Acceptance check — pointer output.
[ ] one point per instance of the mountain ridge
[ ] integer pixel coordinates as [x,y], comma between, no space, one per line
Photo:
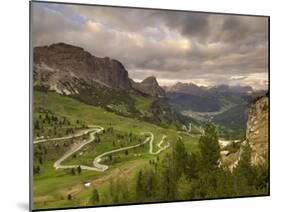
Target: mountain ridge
[194,89]
[61,67]
[103,82]
[61,63]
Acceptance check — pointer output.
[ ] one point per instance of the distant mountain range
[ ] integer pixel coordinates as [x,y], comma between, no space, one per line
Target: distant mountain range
[61,67]
[208,99]
[187,88]
[193,89]
[223,104]
[72,71]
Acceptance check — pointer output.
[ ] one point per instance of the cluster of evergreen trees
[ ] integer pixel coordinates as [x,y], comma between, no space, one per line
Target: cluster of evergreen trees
[46,123]
[186,176]
[183,176]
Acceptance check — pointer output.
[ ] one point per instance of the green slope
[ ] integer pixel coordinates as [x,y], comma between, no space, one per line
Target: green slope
[51,186]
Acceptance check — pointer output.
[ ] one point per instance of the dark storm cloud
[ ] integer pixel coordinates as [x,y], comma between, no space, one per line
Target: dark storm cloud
[199,47]
[195,25]
[191,24]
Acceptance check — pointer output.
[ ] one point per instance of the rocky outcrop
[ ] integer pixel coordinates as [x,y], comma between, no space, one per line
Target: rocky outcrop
[257,130]
[149,86]
[256,137]
[61,66]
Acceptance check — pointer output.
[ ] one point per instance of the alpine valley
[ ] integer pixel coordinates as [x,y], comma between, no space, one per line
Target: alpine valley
[101,138]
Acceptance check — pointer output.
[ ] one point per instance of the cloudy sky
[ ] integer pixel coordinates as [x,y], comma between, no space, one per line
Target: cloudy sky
[206,49]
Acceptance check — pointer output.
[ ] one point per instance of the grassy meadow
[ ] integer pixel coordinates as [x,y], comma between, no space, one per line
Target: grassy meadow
[56,188]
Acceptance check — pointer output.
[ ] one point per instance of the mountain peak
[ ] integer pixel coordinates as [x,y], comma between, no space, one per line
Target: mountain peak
[149,86]
[63,47]
[150,80]
[62,44]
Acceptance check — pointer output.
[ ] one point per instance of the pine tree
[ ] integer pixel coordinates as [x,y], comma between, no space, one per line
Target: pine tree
[244,168]
[73,172]
[192,166]
[110,158]
[36,125]
[168,178]
[112,190]
[118,191]
[140,186]
[179,159]
[79,169]
[95,198]
[36,169]
[183,188]
[123,191]
[209,148]
[149,184]
[261,173]
[40,160]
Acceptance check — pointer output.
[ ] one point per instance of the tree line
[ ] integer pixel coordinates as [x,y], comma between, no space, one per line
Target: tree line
[180,175]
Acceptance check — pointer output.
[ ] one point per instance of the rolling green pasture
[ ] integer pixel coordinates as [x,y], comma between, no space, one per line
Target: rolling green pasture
[51,187]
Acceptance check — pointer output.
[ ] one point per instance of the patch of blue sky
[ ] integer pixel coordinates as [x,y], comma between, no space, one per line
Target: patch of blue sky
[78,19]
[63,10]
[50,6]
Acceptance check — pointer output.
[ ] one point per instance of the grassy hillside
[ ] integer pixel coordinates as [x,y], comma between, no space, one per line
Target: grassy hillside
[143,103]
[128,104]
[52,187]
[234,118]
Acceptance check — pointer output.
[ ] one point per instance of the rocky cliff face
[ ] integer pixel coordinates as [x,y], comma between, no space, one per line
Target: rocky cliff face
[61,67]
[257,130]
[149,86]
[256,136]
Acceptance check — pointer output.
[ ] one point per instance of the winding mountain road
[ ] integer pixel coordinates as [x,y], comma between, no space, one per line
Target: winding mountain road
[159,145]
[97,166]
[149,139]
[83,132]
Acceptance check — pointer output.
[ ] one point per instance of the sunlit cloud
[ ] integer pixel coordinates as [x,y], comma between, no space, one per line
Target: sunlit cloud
[173,46]
[237,77]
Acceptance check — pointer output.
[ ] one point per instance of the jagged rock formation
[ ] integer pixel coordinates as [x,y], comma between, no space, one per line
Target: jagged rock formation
[257,130]
[149,86]
[61,67]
